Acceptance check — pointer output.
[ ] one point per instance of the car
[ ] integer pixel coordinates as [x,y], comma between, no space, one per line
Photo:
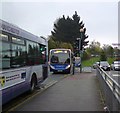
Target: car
[104,65]
[95,65]
[115,66]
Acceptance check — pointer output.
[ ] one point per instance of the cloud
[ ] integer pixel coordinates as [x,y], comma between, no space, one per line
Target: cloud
[100,18]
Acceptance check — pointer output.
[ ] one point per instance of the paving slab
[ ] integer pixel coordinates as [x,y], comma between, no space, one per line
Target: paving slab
[79,92]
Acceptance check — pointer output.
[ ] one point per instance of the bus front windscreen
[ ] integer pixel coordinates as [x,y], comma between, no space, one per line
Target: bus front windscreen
[60,57]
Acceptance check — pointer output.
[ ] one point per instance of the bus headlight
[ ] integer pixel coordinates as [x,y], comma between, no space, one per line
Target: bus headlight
[67,67]
[52,67]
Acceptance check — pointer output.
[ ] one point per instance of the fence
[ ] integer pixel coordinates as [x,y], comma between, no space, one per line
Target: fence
[111,90]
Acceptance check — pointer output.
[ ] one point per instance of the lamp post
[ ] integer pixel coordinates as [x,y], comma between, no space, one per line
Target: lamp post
[80,42]
[79,51]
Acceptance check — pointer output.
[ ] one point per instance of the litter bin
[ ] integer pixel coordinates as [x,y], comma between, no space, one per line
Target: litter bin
[45,71]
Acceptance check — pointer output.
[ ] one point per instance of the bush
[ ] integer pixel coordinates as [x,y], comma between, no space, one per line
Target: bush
[86,56]
[103,56]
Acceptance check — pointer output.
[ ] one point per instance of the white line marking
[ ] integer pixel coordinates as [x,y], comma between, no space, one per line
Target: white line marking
[116,74]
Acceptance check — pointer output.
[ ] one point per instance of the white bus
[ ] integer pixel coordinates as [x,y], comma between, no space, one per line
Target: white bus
[22,56]
[61,60]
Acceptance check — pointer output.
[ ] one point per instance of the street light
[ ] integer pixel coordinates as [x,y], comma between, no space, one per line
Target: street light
[80,47]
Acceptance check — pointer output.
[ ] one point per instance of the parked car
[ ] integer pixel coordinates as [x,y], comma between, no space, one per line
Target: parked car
[115,66]
[95,65]
[104,65]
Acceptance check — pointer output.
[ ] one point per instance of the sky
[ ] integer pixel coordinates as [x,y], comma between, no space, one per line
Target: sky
[38,16]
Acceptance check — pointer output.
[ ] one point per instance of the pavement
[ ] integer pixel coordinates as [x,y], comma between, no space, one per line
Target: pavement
[79,92]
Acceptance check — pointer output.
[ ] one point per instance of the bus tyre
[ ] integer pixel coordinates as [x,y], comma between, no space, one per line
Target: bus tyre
[33,84]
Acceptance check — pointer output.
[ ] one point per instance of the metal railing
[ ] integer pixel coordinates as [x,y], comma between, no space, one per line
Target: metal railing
[111,90]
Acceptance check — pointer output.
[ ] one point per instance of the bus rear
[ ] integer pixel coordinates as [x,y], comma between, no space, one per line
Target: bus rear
[60,60]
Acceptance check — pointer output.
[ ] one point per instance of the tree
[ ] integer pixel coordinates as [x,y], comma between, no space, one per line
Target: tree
[63,29]
[68,29]
[86,55]
[117,53]
[94,48]
[53,43]
[108,50]
[103,56]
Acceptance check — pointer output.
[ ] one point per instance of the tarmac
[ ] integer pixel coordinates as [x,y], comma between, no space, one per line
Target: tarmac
[79,92]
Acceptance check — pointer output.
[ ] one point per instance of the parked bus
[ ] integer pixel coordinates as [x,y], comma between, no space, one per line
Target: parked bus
[61,60]
[22,56]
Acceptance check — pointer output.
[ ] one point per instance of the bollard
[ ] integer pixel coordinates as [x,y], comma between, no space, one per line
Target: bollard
[73,68]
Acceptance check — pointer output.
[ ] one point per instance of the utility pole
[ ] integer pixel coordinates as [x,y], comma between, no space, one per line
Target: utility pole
[80,48]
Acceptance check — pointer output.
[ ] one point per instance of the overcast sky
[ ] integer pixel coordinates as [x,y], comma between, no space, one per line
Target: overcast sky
[100,17]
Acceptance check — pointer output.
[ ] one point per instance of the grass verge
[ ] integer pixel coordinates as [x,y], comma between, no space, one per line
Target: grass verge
[90,62]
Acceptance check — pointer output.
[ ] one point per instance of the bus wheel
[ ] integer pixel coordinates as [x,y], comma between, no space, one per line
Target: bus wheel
[33,84]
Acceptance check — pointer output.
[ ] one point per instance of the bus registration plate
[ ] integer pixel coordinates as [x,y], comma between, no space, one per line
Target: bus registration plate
[59,70]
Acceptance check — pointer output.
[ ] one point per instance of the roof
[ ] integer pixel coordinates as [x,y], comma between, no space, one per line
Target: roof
[15,30]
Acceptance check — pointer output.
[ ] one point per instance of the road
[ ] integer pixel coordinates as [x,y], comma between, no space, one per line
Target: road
[115,75]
